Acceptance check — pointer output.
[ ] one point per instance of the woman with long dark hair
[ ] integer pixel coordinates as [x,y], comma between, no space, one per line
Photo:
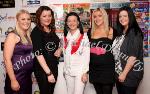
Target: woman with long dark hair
[128,52]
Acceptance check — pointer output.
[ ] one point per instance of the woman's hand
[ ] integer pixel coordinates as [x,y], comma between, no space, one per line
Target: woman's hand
[51,78]
[84,78]
[58,52]
[130,63]
[122,77]
[15,85]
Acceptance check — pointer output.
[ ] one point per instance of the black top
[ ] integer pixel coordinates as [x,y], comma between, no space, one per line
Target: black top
[102,66]
[133,46]
[45,44]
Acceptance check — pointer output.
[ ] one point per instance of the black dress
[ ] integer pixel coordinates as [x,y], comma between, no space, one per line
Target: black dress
[102,66]
[45,44]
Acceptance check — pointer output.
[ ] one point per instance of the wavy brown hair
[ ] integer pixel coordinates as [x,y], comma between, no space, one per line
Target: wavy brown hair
[38,14]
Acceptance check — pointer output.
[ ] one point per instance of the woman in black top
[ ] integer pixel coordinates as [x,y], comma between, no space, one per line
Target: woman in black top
[128,52]
[45,46]
[102,66]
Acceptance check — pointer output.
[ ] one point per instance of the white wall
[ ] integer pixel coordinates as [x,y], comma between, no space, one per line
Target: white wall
[144,87]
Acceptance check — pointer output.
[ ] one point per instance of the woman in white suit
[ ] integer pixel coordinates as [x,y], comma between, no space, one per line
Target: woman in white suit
[76,54]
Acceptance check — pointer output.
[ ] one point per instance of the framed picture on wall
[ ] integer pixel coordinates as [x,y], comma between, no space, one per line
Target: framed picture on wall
[7,3]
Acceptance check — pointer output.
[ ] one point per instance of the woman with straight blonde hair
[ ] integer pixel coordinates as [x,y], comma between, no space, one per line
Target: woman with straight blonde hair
[18,56]
[105,20]
[102,66]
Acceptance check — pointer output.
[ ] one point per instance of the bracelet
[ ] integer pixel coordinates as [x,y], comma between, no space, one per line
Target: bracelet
[48,74]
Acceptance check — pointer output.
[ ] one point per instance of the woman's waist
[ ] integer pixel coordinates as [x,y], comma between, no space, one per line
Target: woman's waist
[49,61]
[20,59]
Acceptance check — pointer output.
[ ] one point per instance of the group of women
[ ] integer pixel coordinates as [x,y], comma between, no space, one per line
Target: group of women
[105,56]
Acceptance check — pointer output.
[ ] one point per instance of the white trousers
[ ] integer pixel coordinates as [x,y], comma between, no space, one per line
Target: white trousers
[74,84]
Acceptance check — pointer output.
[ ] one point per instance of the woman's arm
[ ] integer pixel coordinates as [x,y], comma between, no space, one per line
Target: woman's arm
[45,67]
[43,63]
[9,46]
[130,63]
[58,52]
[134,47]
[38,51]
[86,59]
[86,54]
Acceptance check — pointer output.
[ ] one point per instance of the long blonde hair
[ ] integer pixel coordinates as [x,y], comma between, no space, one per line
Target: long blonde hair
[19,31]
[106,23]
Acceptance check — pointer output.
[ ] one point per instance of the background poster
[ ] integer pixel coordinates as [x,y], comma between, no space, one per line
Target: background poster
[31,3]
[7,3]
[141,11]
[59,16]
[83,10]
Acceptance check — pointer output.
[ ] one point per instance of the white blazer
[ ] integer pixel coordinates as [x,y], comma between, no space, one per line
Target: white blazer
[78,62]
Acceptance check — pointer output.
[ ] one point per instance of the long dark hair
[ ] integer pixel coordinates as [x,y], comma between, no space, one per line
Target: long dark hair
[38,14]
[132,26]
[66,26]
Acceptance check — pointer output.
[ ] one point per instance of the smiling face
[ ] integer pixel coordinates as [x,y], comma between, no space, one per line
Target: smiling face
[98,18]
[123,18]
[72,23]
[24,21]
[45,18]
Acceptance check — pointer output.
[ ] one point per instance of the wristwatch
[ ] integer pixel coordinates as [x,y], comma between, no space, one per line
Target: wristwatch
[48,74]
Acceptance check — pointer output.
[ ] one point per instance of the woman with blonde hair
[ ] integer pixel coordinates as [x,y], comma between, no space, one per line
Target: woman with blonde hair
[101,68]
[18,57]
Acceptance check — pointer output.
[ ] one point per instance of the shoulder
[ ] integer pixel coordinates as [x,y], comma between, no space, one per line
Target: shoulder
[132,34]
[85,36]
[89,33]
[134,39]
[35,31]
[12,37]
[110,31]
[139,37]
